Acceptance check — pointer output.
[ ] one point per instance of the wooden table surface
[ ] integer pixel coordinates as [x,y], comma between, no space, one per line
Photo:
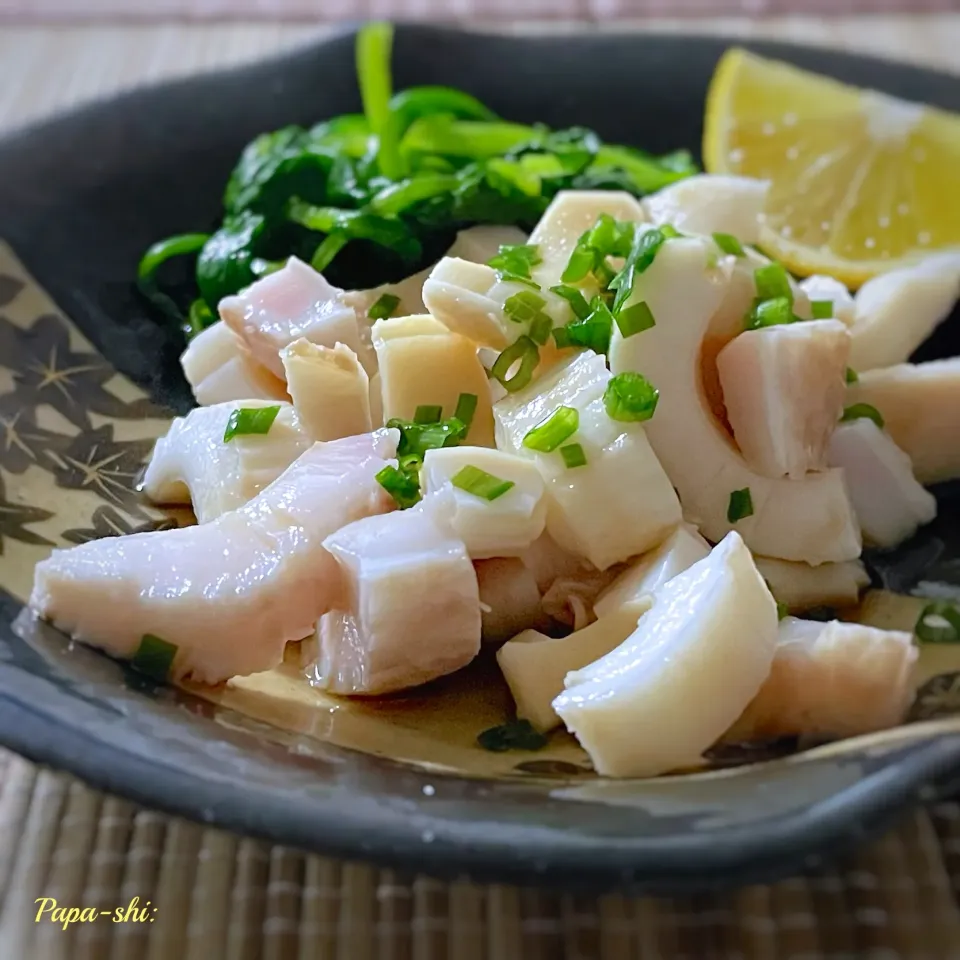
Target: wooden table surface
[48,68]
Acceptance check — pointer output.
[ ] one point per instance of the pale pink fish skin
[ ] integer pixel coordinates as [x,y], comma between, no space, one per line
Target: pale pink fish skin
[284,306]
[231,593]
[412,605]
[783,389]
[831,680]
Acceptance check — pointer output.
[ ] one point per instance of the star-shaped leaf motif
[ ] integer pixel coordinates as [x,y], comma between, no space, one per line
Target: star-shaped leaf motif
[95,461]
[108,522]
[48,371]
[14,518]
[22,442]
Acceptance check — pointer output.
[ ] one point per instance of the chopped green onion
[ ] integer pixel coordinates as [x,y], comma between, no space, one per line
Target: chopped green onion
[527,307]
[524,306]
[851,375]
[610,237]
[516,260]
[604,274]
[481,484]
[630,398]
[670,231]
[507,277]
[410,463]
[446,433]
[821,309]
[154,657]
[729,244]
[523,352]
[540,328]
[861,411]
[384,307]
[250,420]
[772,281]
[575,298]
[635,319]
[782,610]
[770,313]
[603,235]
[607,237]
[547,435]
[594,332]
[573,456]
[939,622]
[581,262]
[418,438]
[428,413]
[403,486]
[642,253]
[740,506]
[466,408]
[519,735]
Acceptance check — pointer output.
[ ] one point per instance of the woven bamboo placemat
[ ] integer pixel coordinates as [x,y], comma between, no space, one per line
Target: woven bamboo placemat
[205,895]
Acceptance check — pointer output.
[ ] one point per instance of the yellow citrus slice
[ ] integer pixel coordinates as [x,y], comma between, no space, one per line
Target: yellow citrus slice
[860,181]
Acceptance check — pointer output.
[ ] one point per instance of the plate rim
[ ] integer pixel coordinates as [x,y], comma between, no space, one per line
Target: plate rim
[745,853]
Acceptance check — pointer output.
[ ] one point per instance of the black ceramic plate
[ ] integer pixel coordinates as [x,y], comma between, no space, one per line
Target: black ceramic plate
[80,198]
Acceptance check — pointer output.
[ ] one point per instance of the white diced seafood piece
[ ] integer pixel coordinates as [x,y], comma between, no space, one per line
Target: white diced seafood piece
[502,527]
[831,680]
[535,665]
[293,302]
[570,214]
[229,594]
[709,203]
[810,520]
[889,502]
[920,404]
[509,599]
[219,369]
[620,502]
[820,289]
[801,587]
[330,389]
[193,464]
[677,683]
[681,550]
[424,364]
[783,388]
[412,608]
[896,311]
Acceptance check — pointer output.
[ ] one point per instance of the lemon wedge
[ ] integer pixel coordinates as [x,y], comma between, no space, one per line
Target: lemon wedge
[861,182]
